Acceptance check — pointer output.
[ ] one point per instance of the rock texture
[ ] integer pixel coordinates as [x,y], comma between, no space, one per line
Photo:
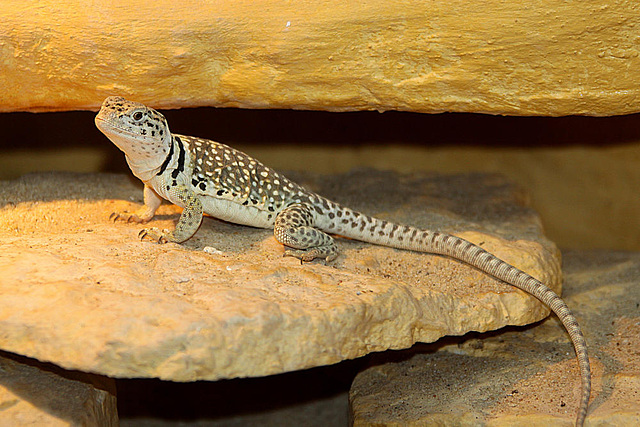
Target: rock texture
[549,57]
[521,376]
[86,294]
[512,367]
[38,394]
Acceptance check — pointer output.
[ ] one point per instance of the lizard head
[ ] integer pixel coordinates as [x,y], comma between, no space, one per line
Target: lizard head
[141,132]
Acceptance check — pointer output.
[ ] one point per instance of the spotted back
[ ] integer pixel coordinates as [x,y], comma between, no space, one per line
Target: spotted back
[224,172]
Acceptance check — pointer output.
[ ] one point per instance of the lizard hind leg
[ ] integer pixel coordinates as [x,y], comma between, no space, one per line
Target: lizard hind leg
[294,229]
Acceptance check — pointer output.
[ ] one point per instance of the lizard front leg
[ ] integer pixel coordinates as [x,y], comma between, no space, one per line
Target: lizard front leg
[294,229]
[151,203]
[188,223]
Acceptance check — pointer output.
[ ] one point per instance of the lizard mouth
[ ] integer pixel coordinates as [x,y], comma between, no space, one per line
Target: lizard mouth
[108,126]
[102,123]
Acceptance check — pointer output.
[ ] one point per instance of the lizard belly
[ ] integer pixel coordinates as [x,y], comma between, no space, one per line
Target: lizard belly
[228,210]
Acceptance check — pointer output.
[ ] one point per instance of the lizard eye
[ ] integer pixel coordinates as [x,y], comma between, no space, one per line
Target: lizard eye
[137,116]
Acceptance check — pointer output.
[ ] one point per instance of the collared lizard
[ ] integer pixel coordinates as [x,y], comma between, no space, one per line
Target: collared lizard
[204,176]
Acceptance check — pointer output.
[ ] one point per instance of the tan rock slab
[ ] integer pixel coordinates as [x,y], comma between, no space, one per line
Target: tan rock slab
[521,376]
[33,393]
[549,57]
[86,294]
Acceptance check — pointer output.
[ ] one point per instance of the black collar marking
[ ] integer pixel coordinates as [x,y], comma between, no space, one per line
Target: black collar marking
[180,167]
[181,156]
[167,160]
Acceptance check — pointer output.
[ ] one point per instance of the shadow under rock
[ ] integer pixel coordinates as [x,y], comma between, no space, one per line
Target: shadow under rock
[215,400]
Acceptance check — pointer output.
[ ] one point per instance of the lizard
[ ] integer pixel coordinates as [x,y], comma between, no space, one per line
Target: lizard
[208,177]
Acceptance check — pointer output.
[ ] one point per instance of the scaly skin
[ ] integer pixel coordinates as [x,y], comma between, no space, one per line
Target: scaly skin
[204,176]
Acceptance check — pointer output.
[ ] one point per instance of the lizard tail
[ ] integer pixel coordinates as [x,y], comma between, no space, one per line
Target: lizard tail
[474,255]
[373,230]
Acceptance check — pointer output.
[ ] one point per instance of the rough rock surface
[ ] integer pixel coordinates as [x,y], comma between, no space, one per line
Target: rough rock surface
[86,294]
[521,377]
[549,57]
[33,393]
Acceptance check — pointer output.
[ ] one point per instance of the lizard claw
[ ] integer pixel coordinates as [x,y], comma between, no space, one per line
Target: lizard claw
[155,234]
[327,253]
[293,253]
[304,255]
[125,216]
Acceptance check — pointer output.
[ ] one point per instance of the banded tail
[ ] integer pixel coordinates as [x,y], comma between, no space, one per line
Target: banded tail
[373,230]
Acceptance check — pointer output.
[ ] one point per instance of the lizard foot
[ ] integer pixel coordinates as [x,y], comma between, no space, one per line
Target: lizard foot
[125,216]
[156,235]
[306,255]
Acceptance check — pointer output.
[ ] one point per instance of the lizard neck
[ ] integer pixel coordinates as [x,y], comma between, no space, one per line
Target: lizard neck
[141,169]
[147,167]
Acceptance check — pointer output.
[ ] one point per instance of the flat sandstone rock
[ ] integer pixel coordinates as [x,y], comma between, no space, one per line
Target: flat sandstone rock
[86,294]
